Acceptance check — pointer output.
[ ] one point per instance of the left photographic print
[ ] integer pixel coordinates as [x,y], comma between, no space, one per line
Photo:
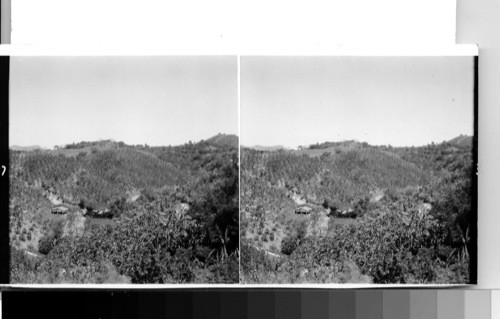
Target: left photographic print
[123,170]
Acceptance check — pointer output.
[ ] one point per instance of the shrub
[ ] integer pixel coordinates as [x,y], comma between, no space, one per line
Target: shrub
[289,244]
[326,203]
[82,204]
[81,155]
[45,244]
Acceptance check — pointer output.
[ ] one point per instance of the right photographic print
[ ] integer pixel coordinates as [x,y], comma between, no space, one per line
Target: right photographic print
[358,169]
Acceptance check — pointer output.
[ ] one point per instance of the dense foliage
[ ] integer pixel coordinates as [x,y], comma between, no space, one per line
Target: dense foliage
[380,214]
[136,214]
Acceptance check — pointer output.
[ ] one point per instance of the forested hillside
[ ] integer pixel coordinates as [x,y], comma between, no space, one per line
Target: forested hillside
[352,212]
[95,212]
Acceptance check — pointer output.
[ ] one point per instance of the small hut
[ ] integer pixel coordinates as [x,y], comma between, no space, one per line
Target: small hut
[304,210]
[103,213]
[59,210]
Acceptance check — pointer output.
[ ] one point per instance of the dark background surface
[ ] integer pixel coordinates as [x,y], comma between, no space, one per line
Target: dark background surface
[4,160]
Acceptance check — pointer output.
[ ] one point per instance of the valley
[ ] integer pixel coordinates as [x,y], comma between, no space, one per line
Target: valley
[107,212]
[350,212]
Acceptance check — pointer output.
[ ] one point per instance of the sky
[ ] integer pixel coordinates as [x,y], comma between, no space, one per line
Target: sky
[400,101]
[138,100]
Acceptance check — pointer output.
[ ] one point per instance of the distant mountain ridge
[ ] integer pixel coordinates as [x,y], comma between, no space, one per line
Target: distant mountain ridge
[462,140]
[216,140]
[267,148]
[26,148]
[224,140]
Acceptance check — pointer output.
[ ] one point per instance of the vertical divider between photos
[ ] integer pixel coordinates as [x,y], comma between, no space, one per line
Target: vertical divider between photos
[4,177]
[238,57]
[474,179]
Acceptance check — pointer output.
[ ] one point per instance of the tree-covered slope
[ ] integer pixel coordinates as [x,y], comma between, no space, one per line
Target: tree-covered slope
[377,214]
[130,213]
